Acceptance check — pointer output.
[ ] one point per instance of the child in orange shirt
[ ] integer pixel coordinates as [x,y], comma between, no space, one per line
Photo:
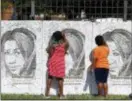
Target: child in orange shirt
[100,64]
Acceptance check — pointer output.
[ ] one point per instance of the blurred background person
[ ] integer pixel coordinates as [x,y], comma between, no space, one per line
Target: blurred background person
[8,10]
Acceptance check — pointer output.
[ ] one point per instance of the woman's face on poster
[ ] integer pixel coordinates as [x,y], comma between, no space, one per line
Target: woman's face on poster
[13,57]
[115,59]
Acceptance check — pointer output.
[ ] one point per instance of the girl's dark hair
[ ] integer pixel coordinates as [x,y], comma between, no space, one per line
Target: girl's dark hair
[100,40]
[57,36]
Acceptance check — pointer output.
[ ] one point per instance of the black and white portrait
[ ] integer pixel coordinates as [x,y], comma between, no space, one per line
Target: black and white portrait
[75,63]
[120,58]
[18,53]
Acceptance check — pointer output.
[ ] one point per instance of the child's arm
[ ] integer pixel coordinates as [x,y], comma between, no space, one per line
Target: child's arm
[48,47]
[65,42]
[93,61]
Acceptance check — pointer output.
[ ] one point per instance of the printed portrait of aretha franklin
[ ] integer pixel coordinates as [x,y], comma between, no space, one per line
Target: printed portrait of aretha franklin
[120,57]
[18,53]
[75,63]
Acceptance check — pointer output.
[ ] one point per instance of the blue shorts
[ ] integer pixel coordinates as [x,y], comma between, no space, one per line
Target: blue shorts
[101,75]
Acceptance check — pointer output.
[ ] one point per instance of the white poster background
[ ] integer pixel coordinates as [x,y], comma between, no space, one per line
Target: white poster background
[24,85]
[43,31]
[119,85]
[72,85]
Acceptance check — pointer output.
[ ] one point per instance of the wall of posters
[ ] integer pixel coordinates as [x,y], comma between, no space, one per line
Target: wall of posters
[21,57]
[24,57]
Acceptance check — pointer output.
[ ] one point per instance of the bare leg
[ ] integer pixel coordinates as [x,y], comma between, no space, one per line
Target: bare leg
[60,81]
[105,87]
[48,85]
[100,88]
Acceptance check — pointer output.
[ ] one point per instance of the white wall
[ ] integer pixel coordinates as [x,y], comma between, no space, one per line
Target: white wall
[81,83]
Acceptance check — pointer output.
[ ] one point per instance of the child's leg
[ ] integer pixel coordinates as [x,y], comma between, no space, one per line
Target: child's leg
[60,82]
[48,85]
[105,89]
[100,88]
